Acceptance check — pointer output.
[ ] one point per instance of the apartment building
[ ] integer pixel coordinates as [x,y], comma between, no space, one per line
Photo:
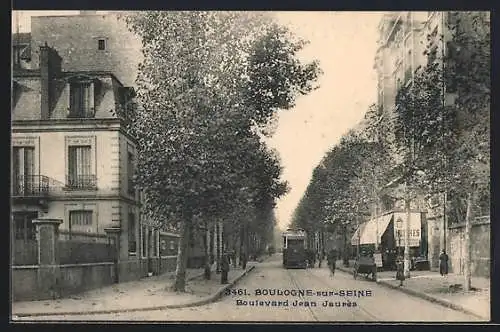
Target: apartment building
[407,42]
[72,158]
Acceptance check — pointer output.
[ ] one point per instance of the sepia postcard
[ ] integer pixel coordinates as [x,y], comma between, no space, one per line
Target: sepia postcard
[191,166]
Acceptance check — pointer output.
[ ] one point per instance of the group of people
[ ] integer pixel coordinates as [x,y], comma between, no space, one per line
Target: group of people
[331,258]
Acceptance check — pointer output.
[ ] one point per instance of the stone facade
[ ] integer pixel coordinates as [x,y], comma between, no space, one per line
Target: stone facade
[64,51]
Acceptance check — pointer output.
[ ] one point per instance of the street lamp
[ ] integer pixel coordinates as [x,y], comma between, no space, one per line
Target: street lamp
[399,223]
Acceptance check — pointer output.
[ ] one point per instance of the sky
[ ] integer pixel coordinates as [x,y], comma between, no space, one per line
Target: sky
[345,45]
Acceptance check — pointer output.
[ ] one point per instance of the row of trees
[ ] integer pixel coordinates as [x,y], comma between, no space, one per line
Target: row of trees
[207,90]
[435,143]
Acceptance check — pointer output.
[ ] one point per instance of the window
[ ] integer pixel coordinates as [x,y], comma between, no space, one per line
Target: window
[80,168]
[130,173]
[23,225]
[80,100]
[80,218]
[17,55]
[172,245]
[23,168]
[132,244]
[101,44]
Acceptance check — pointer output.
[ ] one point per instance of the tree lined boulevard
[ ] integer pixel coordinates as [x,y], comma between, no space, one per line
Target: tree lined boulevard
[378,303]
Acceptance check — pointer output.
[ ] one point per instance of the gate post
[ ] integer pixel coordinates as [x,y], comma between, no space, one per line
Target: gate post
[113,234]
[48,275]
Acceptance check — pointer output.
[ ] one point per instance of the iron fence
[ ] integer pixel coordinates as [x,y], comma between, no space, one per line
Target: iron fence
[79,247]
[25,252]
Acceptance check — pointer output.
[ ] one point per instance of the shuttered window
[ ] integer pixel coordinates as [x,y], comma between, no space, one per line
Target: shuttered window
[80,100]
[24,179]
[80,167]
[80,218]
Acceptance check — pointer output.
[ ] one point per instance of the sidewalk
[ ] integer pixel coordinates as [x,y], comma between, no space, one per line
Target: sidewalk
[151,293]
[446,291]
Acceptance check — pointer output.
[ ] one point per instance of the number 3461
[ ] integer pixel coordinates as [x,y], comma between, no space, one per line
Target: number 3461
[237,291]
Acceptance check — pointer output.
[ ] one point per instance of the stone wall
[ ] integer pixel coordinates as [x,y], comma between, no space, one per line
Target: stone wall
[71,279]
[480,248]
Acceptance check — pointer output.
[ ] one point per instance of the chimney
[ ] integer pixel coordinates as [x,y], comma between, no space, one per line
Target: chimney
[50,67]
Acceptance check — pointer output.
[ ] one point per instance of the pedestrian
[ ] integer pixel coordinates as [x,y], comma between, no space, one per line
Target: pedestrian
[331,258]
[400,275]
[443,263]
[320,258]
[244,260]
[224,268]
[313,257]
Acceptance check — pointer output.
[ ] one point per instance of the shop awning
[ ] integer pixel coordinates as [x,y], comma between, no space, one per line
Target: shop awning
[355,238]
[368,232]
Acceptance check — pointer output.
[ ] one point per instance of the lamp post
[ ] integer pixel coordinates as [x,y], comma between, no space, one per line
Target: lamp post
[399,223]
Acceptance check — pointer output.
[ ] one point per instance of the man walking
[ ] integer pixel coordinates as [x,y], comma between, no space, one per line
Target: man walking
[331,258]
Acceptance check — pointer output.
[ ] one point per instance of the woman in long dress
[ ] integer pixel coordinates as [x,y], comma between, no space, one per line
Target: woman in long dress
[443,263]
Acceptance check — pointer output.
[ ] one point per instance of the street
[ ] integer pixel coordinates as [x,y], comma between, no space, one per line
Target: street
[322,299]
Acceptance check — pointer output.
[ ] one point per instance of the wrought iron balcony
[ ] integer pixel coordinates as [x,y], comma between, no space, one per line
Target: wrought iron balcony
[33,186]
[81,182]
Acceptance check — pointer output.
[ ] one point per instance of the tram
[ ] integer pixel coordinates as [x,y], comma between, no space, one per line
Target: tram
[294,249]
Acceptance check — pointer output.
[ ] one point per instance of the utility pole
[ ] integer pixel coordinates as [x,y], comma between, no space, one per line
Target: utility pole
[409,166]
[358,230]
[407,232]
[445,198]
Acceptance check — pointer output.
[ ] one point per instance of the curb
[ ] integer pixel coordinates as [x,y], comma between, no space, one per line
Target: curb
[430,298]
[206,300]
[433,299]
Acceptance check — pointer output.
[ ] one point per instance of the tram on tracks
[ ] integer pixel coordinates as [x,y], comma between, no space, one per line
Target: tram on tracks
[294,249]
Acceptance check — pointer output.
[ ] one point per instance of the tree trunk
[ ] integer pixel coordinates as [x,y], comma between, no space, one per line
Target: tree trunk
[206,243]
[241,251]
[467,260]
[212,244]
[407,233]
[235,245]
[218,246]
[182,256]
[151,254]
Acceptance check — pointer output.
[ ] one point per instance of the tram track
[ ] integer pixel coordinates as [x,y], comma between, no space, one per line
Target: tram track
[321,280]
[297,285]
[315,315]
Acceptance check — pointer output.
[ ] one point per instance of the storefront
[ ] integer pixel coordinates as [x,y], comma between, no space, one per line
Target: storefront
[386,234]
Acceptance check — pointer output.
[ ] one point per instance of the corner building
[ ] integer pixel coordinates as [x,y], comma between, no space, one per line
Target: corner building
[72,158]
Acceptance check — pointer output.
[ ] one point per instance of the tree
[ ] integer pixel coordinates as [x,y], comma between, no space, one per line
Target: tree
[196,126]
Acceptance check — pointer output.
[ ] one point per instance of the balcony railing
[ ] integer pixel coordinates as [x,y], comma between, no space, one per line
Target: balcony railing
[30,185]
[81,182]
